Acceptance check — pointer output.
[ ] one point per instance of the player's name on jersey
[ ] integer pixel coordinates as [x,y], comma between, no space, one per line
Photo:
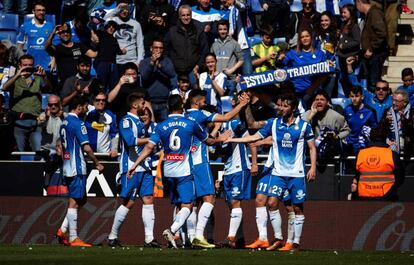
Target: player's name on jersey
[280,75]
[174,123]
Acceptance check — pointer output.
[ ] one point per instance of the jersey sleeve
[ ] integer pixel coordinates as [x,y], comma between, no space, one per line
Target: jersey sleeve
[82,134]
[207,116]
[22,34]
[125,130]
[309,136]
[266,130]
[201,134]
[155,136]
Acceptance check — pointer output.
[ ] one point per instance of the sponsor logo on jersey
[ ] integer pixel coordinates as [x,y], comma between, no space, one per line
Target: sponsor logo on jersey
[175,157]
[66,156]
[287,141]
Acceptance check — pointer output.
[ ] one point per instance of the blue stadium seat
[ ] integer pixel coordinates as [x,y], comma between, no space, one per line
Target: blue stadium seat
[339,104]
[9,26]
[226,104]
[256,39]
[49,18]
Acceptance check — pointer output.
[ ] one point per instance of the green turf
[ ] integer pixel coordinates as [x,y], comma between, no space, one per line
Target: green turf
[42,255]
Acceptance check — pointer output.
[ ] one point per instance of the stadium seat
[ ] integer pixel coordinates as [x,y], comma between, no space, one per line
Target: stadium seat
[256,39]
[49,18]
[226,104]
[9,26]
[339,104]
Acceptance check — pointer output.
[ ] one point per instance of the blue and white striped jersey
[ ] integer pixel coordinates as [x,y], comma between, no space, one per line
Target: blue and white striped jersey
[288,146]
[176,135]
[199,150]
[73,135]
[130,129]
[36,37]
[235,155]
[206,84]
[102,128]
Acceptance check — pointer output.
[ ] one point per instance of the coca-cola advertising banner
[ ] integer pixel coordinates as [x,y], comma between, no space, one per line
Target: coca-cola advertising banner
[328,225]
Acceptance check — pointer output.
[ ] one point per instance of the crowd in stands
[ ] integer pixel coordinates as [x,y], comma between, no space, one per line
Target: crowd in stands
[105,50]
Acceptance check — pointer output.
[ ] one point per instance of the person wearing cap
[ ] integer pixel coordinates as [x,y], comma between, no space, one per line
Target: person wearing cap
[129,36]
[66,53]
[108,48]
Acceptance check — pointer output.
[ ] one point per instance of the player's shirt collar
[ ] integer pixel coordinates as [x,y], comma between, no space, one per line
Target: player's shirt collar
[133,115]
[296,121]
[176,115]
[73,114]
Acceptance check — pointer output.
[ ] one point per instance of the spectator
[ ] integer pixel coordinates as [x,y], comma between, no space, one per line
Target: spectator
[70,7]
[407,76]
[265,54]
[329,126]
[304,54]
[183,88]
[105,62]
[7,71]
[127,84]
[373,42]
[157,17]
[102,127]
[187,45]
[405,9]
[229,55]
[6,131]
[156,74]
[380,100]
[101,13]
[82,83]
[129,36]
[235,13]
[276,14]
[67,53]
[326,38]
[27,86]
[50,121]
[308,18]
[391,13]
[400,119]
[379,170]
[349,43]
[208,17]
[13,53]
[34,33]
[213,82]
[357,116]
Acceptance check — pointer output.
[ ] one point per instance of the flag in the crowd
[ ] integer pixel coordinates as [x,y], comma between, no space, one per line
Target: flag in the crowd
[328,5]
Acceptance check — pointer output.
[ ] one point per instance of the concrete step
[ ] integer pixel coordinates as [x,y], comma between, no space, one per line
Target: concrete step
[394,82]
[405,50]
[397,58]
[395,68]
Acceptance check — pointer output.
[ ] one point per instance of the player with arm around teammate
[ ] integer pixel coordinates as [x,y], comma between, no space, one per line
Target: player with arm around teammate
[175,135]
[133,134]
[289,135]
[74,141]
[203,177]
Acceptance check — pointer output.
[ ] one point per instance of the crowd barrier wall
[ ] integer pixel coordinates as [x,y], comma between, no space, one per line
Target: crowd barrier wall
[341,225]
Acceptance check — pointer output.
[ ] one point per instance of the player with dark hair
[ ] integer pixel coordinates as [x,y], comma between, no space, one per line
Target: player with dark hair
[176,134]
[289,135]
[133,134]
[74,140]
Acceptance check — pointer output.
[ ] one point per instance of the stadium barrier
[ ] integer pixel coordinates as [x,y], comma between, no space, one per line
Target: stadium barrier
[329,225]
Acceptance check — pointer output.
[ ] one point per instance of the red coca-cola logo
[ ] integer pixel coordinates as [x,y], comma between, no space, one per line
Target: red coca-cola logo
[175,157]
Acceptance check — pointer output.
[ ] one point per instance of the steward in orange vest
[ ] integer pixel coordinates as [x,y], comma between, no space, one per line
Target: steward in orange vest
[379,172]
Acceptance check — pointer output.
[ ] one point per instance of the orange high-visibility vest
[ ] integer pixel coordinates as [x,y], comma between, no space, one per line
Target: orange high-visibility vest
[158,187]
[376,168]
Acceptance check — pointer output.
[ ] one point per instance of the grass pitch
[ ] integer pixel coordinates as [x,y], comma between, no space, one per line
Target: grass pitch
[59,255]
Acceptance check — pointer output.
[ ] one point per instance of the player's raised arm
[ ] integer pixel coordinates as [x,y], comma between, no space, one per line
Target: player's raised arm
[243,99]
[144,154]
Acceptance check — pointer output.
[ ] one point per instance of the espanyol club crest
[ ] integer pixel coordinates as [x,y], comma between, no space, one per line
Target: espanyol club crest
[280,75]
